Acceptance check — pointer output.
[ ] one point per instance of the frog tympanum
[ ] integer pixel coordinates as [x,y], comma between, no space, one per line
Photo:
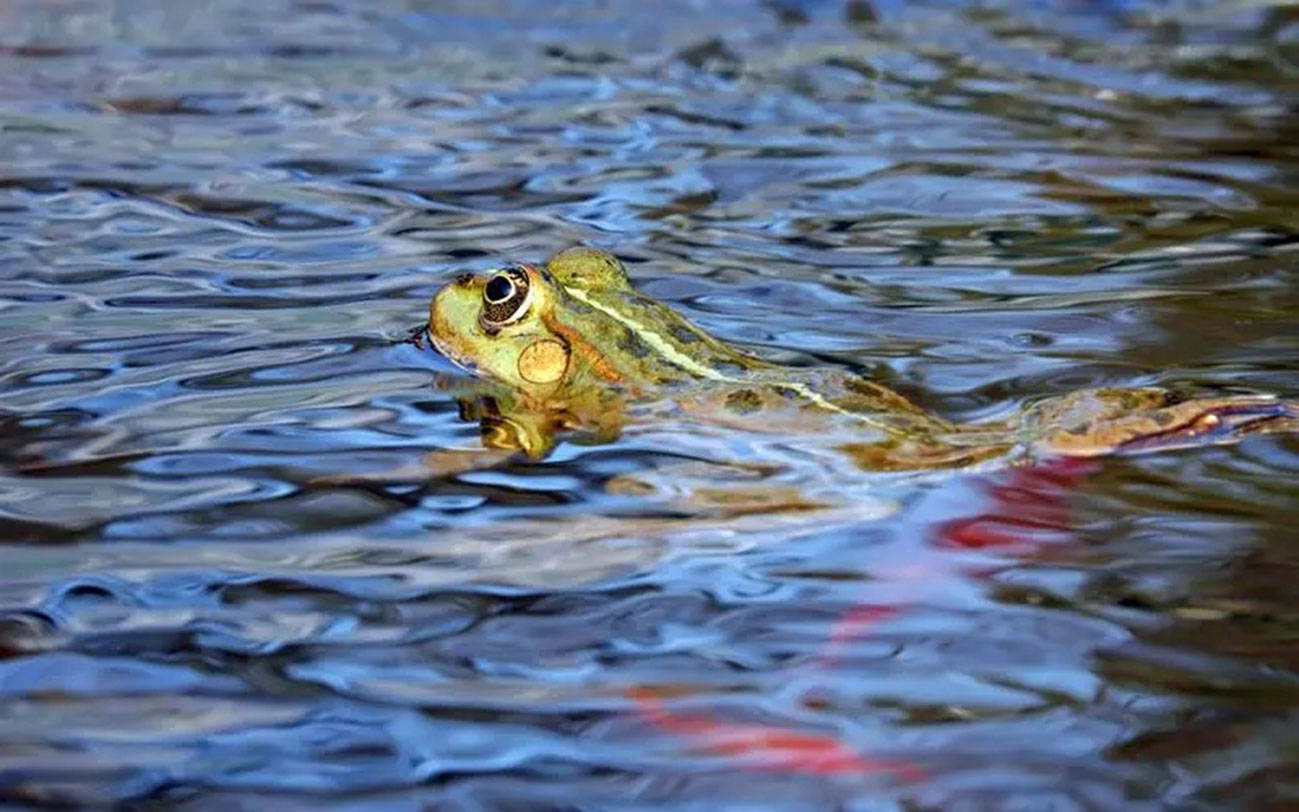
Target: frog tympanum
[571,346]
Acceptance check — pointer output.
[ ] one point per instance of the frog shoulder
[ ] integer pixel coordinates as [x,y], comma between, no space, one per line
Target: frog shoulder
[588,268]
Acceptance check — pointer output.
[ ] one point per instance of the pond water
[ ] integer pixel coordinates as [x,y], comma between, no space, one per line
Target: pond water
[216,218]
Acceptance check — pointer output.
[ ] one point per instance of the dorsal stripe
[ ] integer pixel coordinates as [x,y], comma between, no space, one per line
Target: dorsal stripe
[674,356]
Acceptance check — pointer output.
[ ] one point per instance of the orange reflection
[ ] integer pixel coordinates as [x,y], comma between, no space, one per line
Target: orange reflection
[765,747]
[1030,508]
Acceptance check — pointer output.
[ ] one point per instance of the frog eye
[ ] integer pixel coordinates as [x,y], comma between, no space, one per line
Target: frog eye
[506,297]
[499,289]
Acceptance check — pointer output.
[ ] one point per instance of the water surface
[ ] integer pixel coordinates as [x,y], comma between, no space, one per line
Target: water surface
[215,219]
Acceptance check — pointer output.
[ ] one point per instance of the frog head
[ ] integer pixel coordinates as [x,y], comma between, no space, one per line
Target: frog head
[545,331]
[494,325]
[519,325]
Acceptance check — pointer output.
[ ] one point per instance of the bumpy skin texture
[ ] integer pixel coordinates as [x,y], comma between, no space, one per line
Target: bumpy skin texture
[570,344]
[582,299]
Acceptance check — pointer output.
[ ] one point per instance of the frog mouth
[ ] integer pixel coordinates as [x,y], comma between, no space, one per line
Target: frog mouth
[448,352]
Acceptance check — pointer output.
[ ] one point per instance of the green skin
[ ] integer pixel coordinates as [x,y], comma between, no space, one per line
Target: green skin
[583,343]
[604,348]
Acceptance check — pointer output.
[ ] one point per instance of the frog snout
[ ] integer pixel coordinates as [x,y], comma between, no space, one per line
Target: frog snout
[438,311]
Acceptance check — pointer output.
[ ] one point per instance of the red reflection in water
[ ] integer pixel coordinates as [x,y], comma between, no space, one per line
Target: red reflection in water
[766,747]
[850,626]
[1030,509]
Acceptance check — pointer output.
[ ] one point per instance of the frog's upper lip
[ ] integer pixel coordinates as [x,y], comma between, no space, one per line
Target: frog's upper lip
[447,352]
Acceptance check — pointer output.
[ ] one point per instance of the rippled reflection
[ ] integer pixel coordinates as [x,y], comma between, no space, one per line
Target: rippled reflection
[218,221]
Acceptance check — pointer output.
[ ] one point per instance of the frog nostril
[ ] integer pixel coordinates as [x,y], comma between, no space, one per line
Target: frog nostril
[464,279]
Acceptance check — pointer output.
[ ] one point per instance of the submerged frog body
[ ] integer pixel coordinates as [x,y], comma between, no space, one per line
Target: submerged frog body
[573,346]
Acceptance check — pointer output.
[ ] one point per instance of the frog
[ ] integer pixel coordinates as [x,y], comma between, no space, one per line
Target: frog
[570,347]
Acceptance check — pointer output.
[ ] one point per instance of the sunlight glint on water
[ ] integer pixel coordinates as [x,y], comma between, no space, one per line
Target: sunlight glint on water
[216,218]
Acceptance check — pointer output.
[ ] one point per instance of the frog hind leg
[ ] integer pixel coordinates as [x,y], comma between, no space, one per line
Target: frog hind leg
[906,455]
[1135,421]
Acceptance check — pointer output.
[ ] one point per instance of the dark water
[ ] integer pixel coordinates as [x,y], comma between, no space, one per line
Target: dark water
[214,218]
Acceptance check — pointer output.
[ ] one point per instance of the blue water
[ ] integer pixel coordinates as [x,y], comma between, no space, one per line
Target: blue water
[217,221]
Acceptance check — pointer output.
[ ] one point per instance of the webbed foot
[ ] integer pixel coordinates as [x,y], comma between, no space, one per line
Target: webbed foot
[1137,421]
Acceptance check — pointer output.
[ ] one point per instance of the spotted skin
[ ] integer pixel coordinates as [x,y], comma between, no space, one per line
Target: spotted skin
[583,339]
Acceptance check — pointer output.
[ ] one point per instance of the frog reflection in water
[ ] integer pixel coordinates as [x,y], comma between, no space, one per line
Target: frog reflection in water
[572,345]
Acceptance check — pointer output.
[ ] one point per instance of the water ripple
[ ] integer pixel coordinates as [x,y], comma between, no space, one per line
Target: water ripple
[215,221]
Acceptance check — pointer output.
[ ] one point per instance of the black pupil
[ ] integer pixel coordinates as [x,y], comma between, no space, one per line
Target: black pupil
[499,288]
